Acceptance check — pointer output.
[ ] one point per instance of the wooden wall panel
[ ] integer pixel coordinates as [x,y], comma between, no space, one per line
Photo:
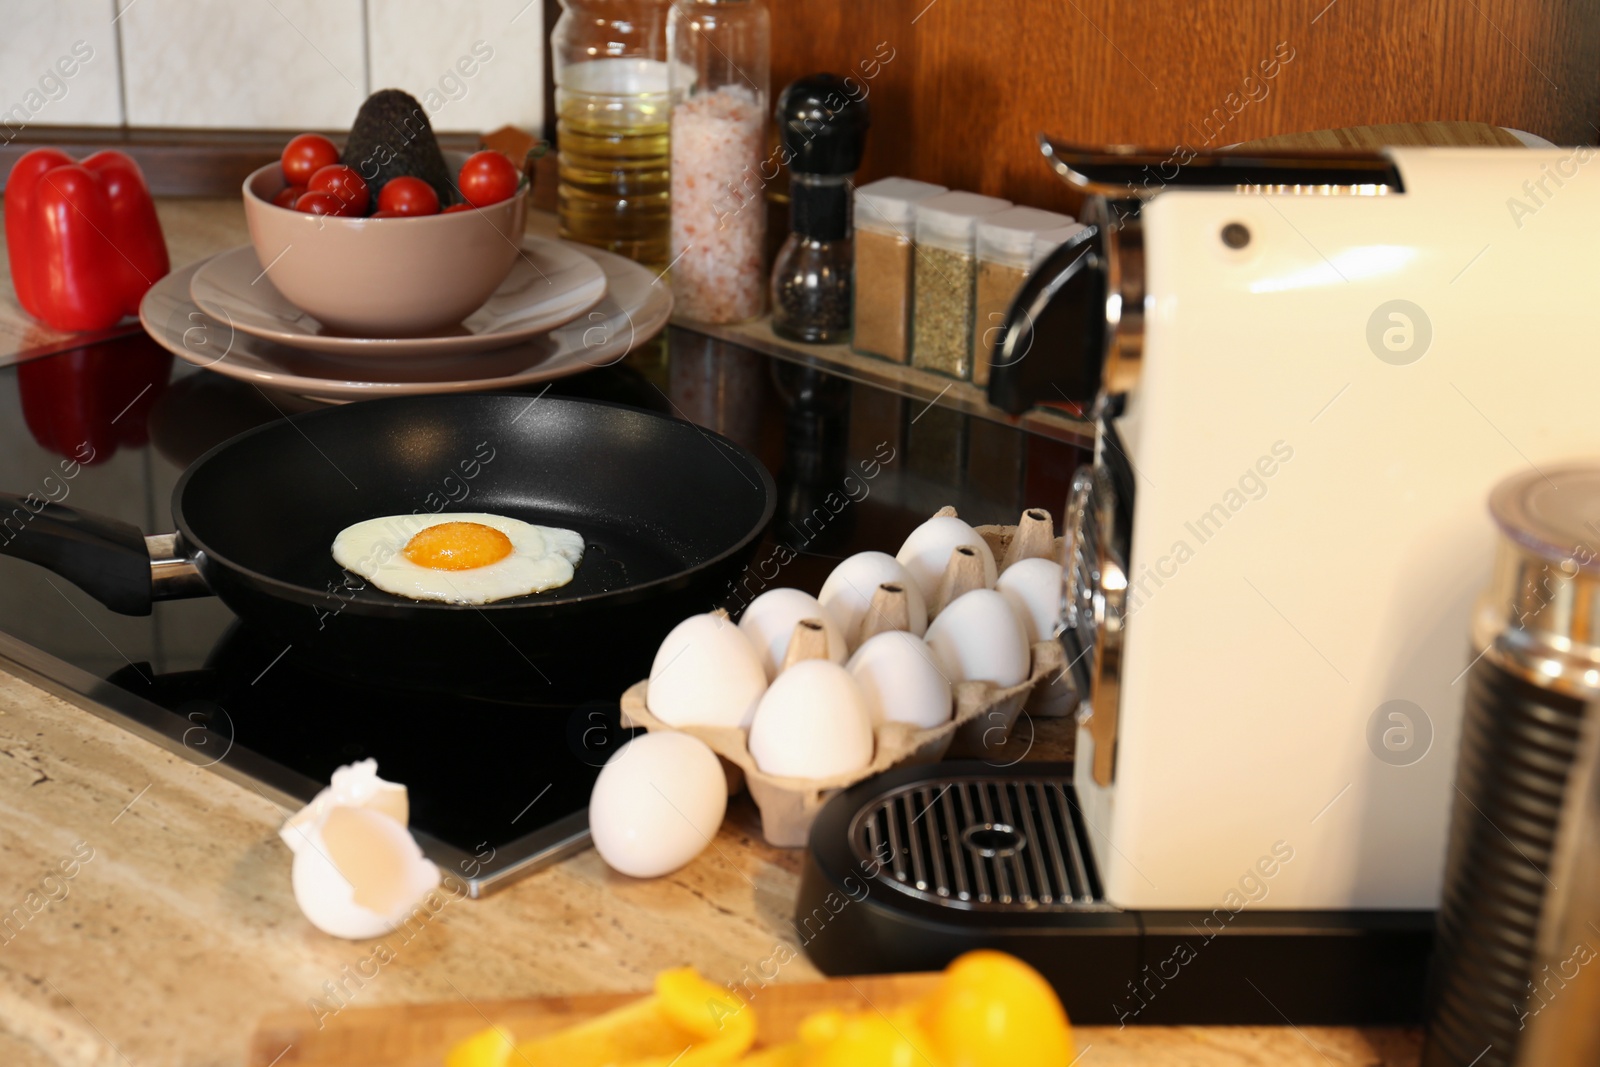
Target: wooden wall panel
[972,81]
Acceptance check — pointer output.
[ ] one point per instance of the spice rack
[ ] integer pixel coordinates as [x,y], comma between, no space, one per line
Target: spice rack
[917,384]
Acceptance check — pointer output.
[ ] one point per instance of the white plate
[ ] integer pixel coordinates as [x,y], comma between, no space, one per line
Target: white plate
[550,285]
[636,306]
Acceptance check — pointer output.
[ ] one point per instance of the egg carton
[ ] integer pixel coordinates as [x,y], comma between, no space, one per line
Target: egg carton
[1034,536]
[980,728]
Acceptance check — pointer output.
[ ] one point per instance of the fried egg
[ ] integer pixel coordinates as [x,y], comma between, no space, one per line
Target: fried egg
[468,558]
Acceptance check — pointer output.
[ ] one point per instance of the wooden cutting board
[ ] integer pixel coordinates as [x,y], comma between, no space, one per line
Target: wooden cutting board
[419,1035]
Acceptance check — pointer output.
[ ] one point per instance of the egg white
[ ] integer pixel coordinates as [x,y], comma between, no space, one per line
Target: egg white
[542,557]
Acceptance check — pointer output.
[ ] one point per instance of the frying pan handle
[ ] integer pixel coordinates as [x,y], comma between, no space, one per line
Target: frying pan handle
[104,557]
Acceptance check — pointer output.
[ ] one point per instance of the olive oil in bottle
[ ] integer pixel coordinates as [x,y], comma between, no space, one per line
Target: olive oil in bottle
[613,189]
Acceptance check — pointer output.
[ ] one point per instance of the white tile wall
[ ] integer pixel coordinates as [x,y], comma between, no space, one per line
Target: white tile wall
[286,64]
[277,64]
[476,67]
[41,44]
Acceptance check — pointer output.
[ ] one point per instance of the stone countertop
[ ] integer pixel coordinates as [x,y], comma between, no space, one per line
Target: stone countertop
[146,916]
[148,920]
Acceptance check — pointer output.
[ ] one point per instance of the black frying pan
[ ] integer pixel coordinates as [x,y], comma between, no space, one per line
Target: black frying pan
[669,514]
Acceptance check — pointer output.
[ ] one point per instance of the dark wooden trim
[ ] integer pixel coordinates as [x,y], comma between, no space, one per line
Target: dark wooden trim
[179,162]
[552,12]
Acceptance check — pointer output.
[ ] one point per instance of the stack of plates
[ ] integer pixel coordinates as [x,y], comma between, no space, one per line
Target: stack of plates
[559,312]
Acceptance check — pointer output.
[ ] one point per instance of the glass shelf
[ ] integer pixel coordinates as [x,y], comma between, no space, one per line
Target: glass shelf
[913,382]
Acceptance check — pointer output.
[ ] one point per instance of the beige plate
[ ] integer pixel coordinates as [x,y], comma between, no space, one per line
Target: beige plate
[635,307]
[549,285]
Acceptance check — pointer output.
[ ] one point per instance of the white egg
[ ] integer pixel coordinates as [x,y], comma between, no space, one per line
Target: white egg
[926,553]
[358,872]
[657,804]
[464,558]
[813,723]
[979,638]
[847,594]
[902,680]
[705,674]
[770,620]
[1033,589]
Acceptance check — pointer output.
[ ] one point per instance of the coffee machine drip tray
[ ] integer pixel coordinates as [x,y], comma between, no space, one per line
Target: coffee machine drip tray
[1000,843]
[910,869]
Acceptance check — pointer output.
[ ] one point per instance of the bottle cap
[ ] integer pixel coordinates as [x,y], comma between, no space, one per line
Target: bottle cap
[1047,241]
[823,125]
[1012,235]
[950,220]
[890,203]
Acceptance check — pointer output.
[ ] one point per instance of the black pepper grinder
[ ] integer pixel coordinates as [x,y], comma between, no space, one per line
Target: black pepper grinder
[822,122]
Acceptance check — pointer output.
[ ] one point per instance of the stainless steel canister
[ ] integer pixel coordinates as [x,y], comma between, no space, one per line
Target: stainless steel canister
[1536,634]
[1562,1019]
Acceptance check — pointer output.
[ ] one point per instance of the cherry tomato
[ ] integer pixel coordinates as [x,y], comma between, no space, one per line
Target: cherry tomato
[459,207]
[319,204]
[342,182]
[487,178]
[408,196]
[289,195]
[305,155]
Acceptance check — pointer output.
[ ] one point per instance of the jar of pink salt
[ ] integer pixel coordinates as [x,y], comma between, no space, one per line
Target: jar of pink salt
[720,54]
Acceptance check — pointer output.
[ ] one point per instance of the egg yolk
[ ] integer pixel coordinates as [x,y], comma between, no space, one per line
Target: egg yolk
[457,546]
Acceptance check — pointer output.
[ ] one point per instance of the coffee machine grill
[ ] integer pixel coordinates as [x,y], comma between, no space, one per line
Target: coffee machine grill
[982,844]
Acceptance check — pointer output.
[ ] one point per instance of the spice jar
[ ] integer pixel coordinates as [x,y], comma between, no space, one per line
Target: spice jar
[1010,243]
[884,223]
[720,53]
[823,126]
[609,60]
[944,275]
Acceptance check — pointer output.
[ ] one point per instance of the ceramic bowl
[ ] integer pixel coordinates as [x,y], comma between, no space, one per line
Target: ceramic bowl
[366,277]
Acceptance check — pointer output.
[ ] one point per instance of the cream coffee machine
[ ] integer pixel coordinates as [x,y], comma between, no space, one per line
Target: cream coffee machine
[1306,372]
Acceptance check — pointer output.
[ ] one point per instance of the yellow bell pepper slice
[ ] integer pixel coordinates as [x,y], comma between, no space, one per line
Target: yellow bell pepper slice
[688,1022]
[865,1039]
[790,1055]
[487,1048]
[993,1010]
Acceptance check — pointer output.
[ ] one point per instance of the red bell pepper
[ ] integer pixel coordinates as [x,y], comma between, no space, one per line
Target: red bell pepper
[83,238]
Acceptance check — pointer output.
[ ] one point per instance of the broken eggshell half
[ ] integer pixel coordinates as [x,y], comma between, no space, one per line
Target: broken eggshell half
[358,872]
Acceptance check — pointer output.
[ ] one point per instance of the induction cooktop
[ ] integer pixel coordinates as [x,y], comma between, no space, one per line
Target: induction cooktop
[499,772]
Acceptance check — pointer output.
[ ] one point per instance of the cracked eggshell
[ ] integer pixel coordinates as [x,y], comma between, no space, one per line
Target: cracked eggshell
[357,872]
[978,638]
[355,785]
[657,803]
[1033,589]
[770,620]
[705,674]
[812,723]
[902,680]
[847,594]
[926,553]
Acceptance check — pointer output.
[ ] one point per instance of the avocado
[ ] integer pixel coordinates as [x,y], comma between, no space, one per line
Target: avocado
[392,137]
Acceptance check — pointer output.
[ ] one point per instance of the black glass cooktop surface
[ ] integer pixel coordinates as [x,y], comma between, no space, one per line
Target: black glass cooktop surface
[499,770]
